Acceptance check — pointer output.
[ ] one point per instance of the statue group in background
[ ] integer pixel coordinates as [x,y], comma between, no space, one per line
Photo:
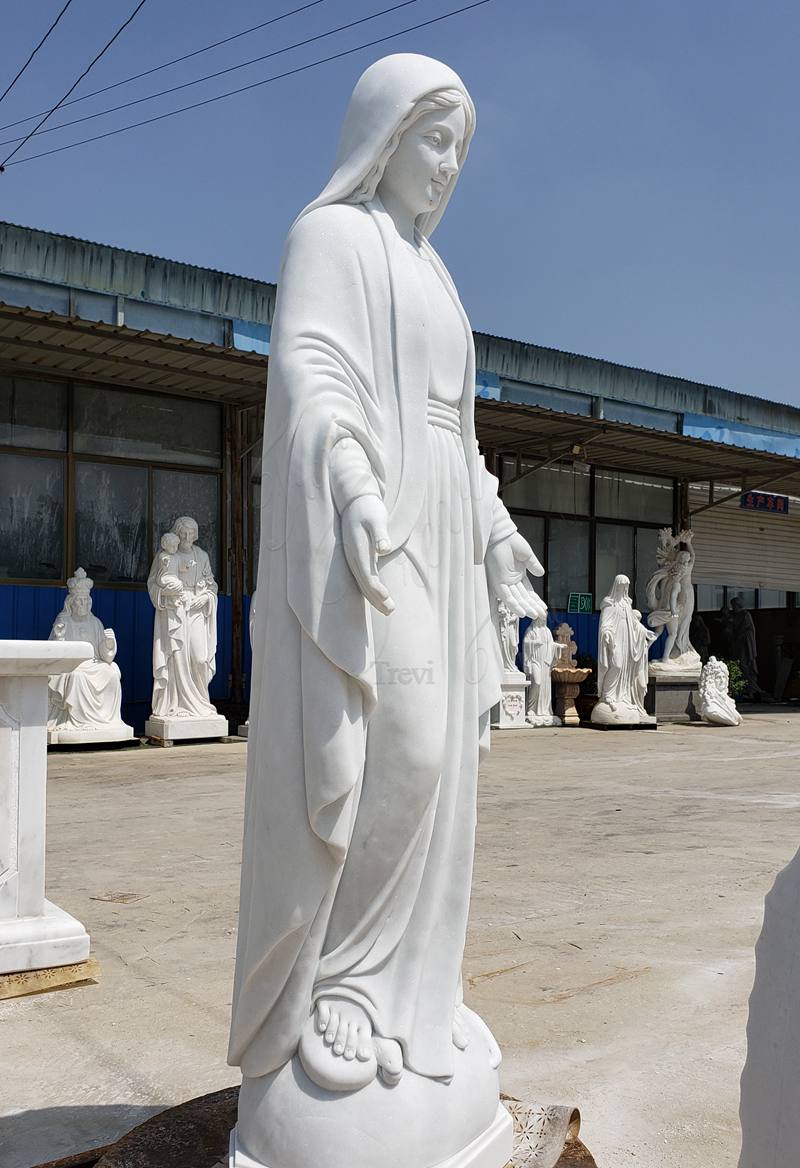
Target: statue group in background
[716,704]
[622,660]
[540,653]
[184,595]
[670,596]
[85,704]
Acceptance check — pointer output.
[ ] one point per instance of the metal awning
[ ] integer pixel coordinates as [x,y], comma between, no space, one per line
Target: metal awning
[541,435]
[44,344]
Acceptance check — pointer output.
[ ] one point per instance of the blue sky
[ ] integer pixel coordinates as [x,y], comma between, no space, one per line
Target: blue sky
[631,193]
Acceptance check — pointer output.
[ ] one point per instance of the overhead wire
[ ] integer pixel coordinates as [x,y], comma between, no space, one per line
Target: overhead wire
[34,51]
[75,84]
[255,84]
[321,36]
[166,64]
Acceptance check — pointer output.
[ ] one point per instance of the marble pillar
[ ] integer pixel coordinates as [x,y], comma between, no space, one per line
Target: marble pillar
[34,933]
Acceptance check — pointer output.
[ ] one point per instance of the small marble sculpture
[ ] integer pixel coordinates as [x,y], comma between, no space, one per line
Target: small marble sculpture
[564,636]
[670,596]
[567,677]
[84,704]
[184,594]
[509,713]
[716,705]
[622,666]
[540,653]
[34,932]
[375,667]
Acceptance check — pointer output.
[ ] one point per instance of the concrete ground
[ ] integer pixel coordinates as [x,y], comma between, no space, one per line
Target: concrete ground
[618,893]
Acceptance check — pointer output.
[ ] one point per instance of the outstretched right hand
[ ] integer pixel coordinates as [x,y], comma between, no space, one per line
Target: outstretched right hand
[365,534]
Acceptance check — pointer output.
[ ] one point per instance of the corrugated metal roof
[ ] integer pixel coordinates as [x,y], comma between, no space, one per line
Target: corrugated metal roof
[45,343]
[541,434]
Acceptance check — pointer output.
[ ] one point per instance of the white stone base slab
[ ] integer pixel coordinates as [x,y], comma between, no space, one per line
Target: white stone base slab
[181,729]
[55,938]
[492,1149]
[119,733]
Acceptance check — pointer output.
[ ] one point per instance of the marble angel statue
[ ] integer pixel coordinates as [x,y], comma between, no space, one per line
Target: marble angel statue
[670,596]
[622,665]
[376,664]
[84,705]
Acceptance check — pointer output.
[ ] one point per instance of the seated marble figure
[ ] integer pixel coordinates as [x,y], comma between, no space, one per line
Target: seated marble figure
[84,705]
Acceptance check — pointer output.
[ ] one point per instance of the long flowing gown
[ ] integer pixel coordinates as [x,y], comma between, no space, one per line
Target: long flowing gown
[374,744]
[622,661]
[90,697]
[184,637]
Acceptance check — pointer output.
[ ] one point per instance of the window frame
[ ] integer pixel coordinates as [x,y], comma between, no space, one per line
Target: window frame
[70,458]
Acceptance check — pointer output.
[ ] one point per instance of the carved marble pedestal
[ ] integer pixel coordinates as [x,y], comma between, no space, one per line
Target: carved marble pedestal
[509,713]
[34,934]
[120,733]
[169,730]
[566,687]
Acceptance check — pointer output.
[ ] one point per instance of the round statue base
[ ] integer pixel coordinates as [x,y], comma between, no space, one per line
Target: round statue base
[64,736]
[197,1134]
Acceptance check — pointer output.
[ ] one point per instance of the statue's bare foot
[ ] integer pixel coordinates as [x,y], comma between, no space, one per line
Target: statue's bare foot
[337,1048]
[390,1060]
[460,1031]
[469,1020]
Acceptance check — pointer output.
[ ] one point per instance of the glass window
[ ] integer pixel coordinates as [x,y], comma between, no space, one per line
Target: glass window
[532,527]
[771,598]
[710,597]
[31,518]
[646,544]
[567,560]
[626,495]
[123,424]
[746,595]
[613,555]
[559,488]
[111,521]
[180,492]
[33,413]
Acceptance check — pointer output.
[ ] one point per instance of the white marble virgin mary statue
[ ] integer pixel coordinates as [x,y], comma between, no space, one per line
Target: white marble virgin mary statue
[622,665]
[375,667]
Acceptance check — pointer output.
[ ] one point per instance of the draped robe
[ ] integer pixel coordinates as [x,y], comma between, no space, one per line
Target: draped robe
[350,360]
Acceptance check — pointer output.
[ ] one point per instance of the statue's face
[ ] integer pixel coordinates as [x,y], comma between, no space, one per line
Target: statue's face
[186,533]
[81,605]
[419,171]
[683,557]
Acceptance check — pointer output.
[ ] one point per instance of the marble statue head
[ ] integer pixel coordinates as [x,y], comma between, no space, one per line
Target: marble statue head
[78,602]
[170,542]
[412,109]
[619,589]
[186,529]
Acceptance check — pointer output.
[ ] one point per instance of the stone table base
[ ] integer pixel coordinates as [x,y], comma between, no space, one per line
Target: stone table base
[566,687]
[165,731]
[40,942]
[673,697]
[197,1135]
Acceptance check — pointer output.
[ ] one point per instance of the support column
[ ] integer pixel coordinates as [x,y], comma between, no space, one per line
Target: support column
[34,933]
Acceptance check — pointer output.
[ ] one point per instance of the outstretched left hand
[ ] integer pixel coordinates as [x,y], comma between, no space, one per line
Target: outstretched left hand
[507,566]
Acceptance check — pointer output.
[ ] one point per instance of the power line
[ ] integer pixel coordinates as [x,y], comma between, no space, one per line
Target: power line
[14,80]
[74,86]
[220,72]
[255,84]
[166,64]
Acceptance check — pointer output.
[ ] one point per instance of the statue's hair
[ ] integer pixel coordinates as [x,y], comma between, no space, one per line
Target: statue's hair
[438,99]
[182,520]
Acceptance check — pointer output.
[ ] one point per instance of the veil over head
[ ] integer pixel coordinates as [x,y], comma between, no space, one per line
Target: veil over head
[384,97]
